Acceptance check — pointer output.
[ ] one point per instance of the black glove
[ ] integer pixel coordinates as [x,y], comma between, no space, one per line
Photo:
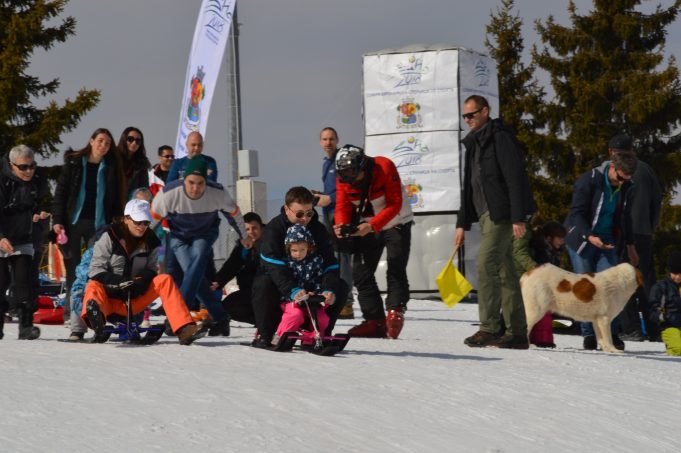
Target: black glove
[139,287]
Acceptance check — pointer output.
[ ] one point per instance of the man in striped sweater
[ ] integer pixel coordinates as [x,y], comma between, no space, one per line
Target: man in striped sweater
[192,206]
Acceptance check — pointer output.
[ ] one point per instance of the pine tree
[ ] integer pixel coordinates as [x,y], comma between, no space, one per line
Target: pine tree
[521,102]
[23,29]
[609,75]
[606,77]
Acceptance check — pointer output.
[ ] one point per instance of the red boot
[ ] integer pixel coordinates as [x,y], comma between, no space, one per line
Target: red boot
[370,328]
[394,323]
[541,334]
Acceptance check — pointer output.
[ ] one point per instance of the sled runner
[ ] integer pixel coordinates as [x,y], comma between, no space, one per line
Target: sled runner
[312,341]
[126,328]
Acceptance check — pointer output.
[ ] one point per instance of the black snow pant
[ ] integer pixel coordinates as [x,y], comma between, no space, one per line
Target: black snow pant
[397,243]
[239,307]
[267,305]
[629,318]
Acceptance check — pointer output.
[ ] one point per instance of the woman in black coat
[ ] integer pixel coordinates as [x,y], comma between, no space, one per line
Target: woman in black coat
[133,157]
[87,197]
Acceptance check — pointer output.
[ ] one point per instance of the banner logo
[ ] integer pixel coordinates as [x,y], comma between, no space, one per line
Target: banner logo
[218,18]
[482,73]
[197,92]
[411,71]
[408,115]
[414,192]
[408,152]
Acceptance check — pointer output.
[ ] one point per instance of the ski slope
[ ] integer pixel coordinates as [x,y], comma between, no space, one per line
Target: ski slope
[426,392]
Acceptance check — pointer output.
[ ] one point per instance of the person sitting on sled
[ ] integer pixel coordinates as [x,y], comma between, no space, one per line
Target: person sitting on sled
[308,271]
[128,251]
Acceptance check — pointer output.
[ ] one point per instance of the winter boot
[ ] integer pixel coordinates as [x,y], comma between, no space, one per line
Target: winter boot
[347,312]
[369,328]
[394,322]
[189,333]
[95,318]
[508,341]
[75,337]
[4,306]
[481,339]
[27,331]
[220,328]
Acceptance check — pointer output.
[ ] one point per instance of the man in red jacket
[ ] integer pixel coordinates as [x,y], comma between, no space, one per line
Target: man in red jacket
[372,214]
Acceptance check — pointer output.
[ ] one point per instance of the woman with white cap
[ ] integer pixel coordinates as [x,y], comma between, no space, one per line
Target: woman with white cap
[128,251]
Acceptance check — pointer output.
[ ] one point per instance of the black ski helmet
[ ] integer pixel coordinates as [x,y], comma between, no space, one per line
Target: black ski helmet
[350,161]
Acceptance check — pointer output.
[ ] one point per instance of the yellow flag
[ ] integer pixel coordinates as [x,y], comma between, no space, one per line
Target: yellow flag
[452,285]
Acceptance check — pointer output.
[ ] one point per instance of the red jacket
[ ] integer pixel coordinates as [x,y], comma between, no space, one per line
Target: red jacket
[387,205]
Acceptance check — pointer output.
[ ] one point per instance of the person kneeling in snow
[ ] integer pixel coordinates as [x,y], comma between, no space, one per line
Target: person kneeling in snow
[308,271]
[128,251]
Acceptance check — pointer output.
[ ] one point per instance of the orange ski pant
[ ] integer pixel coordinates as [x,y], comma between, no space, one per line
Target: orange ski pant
[161,286]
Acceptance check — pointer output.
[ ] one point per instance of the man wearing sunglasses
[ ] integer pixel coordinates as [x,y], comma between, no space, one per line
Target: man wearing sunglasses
[166,157]
[496,194]
[274,279]
[599,225]
[21,196]
[646,204]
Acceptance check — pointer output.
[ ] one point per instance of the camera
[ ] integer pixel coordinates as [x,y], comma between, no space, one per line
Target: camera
[348,229]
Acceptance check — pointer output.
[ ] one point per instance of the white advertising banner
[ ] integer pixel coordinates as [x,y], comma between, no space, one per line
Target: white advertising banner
[428,164]
[411,92]
[208,48]
[478,75]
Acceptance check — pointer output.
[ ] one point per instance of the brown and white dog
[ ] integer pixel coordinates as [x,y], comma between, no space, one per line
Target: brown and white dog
[596,298]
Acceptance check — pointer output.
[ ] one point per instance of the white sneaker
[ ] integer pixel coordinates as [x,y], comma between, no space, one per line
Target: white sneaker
[145,324]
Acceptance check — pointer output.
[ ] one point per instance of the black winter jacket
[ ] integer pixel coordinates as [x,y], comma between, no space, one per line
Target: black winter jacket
[506,185]
[19,200]
[243,264]
[68,188]
[665,304]
[274,257]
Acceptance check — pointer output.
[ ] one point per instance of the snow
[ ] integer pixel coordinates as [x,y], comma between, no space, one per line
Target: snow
[425,392]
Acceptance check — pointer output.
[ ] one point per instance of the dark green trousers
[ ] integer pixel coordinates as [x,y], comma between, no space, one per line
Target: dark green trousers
[498,282]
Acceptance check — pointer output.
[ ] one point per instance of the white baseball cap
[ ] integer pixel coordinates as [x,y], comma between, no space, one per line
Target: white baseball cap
[138,210]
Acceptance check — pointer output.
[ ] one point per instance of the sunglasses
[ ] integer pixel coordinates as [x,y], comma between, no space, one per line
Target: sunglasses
[301,214]
[26,167]
[169,156]
[621,178]
[144,223]
[470,115]
[131,139]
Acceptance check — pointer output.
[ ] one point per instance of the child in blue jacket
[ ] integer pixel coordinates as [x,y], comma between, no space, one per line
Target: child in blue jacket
[665,305]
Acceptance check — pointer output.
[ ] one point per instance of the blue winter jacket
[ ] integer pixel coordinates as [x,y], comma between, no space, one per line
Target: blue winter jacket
[587,201]
[329,180]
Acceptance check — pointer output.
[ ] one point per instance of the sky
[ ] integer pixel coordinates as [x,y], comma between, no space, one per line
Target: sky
[301,68]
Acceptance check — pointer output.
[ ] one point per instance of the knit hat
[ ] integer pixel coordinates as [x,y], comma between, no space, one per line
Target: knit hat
[674,262]
[298,233]
[196,166]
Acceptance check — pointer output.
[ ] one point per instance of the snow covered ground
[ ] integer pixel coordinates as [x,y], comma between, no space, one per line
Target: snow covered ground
[426,392]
